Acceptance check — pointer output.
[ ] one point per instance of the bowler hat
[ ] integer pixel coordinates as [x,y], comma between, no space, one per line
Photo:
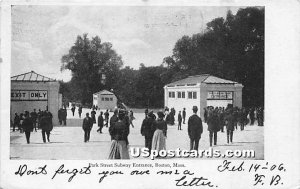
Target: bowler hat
[160,114]
[195,108]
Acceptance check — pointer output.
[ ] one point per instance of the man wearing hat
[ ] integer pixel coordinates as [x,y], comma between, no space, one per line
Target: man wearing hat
[147,129]
[87,127]
[195,129]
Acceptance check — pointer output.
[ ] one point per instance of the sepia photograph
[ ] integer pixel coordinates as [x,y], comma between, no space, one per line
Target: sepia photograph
[137,82]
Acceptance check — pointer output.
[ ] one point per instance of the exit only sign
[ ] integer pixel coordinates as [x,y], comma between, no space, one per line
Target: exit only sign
[32,95]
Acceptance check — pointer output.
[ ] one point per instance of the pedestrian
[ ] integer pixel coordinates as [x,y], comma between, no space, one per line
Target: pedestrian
[229,121]
[114,118]
[33,116]
[146,112]
[46,125]
[131,118]
[179,120]
[195,129]
[183,115]
[205,115]
[213,126]
[160,134]
[16,122]
[93,115]
[147,129]
[21,122]
[87,125]
[27,126]
[73,110]
[39,118]
[251,114]
[59,114]
[80,111]
[100,122]
[64,116]
[119,133]
[106,115]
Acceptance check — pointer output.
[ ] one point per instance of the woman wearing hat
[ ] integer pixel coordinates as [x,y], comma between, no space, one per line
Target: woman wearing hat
[160,134]
[119,132]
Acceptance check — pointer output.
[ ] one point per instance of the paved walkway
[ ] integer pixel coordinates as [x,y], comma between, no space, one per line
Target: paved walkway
[67,141]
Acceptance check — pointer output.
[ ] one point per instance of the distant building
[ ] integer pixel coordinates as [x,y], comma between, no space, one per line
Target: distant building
[105,100]
[202,91]
[34,91]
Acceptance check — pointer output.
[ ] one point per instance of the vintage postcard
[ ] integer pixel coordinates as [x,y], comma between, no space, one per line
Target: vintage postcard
[149,94]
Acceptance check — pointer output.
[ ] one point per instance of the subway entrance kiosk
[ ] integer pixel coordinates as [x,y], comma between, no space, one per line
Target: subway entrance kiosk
[31,91]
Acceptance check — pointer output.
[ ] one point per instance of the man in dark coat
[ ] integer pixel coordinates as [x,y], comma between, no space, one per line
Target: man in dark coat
[114,118]
[59,114]
[64,116]
[27,126]
[183,115]
[213,126]
[16,122]
[80,111]
[179,118]
[229,122]
[87,125]
[100,122]
[93,115]
[46,125]
[73,110]
[106,116]
[147,129]
[195,129]
[34,116]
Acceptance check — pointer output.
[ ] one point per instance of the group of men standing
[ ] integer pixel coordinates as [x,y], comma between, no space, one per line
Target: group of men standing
[28,122]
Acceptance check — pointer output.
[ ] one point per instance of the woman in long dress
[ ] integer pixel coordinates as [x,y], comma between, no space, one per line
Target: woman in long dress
[119,133]
[160,134]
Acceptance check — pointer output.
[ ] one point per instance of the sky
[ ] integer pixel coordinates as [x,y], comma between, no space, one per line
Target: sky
[41,35]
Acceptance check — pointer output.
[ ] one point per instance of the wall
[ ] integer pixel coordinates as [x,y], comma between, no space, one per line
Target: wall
[107,104]
[180,103]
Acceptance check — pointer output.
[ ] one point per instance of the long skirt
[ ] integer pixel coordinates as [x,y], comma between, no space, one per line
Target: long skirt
[118,150]
[159,140]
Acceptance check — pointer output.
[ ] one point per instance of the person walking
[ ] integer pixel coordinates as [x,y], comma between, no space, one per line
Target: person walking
[119,133]
[229,122]
[100,122]
[59,115]
[195,129]
[80,111]
[131,118]
[147,129]
[213,126]
[27,126]
[106,115]
[73,110]
[46,126]
[64,116]
[160,134]
[179,118]
[87,125]
[93,115]
[34,116]
[16,122]
[183,115]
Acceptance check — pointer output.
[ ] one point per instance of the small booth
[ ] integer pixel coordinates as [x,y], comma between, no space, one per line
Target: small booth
[202,91]
[105,100]
[31,91]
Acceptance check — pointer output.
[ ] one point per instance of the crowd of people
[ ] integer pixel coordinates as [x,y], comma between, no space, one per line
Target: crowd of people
[153,128]
[28,122]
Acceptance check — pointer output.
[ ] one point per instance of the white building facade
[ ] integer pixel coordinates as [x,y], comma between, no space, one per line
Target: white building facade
[105,100]
[202,91]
